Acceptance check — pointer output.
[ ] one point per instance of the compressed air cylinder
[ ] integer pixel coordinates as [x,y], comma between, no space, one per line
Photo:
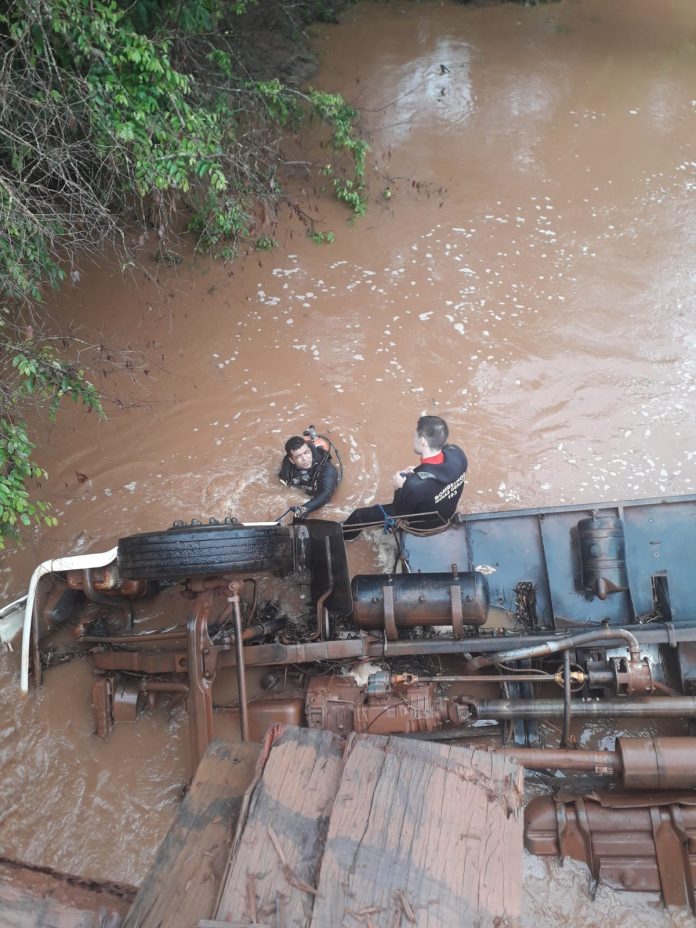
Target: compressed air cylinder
[420,599]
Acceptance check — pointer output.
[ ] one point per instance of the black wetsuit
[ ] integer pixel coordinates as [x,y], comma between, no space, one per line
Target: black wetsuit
[319,481]
[430,488]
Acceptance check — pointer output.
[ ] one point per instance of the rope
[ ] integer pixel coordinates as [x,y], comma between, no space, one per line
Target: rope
[424,532]
[389,521]
[401,522]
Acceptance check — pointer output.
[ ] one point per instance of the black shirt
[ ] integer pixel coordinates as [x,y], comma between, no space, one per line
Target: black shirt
[433,488]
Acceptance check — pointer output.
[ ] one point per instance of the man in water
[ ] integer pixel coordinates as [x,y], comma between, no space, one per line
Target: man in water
[430,492]
[308,466]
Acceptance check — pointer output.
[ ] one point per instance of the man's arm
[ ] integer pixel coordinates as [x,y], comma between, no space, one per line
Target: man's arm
[412,497]
[328,479]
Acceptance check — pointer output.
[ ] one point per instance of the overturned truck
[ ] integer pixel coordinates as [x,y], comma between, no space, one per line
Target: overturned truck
[515,626]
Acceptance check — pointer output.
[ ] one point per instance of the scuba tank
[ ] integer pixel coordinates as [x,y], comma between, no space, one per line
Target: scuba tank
[312,437]
[319,441]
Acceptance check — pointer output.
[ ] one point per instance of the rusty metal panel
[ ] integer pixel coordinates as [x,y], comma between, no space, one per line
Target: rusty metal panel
[329,565]
[101,704]
[542,546]
[628,841]
[263,713]
[662,537]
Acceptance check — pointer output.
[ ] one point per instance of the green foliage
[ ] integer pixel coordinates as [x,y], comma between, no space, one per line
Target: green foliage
[332,109]
[281,104]
[107,105]
[222,60]
[139,106]
[35,374]
[27,262]
[322,238]
[44,375]
[265,243]
[218,222]
[17,467]
[203,16]
[105,113]
[351,194]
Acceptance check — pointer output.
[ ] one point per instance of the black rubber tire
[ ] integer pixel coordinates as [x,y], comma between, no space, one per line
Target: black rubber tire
[204,549]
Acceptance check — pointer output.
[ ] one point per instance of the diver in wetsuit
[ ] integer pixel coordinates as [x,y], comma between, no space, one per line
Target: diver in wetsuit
[307,466]
[433,488]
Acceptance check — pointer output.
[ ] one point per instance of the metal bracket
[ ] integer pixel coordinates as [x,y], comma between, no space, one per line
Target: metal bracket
[456,608]
[389,617]
[202,659]
[574,835]
[669,853]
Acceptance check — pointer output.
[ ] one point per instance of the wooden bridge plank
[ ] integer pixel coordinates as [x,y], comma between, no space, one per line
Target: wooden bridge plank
[423,834]
[183,883]
[274,865]
[39,897]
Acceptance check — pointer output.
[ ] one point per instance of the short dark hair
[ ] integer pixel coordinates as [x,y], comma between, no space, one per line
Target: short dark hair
[434,430]
[294,444]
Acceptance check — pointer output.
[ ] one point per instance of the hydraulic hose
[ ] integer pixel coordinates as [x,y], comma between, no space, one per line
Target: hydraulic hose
[561,644]
[260,630]
[338,456]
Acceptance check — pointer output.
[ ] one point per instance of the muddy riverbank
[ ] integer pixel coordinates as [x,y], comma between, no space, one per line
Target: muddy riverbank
[525,270]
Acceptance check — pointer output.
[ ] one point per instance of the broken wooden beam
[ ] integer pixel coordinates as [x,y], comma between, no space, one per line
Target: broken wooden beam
[276,859]
[183,882]
[385,833]
[422,834]
[37,897]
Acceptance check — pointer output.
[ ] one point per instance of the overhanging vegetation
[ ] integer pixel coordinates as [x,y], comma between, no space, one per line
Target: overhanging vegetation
[154,107]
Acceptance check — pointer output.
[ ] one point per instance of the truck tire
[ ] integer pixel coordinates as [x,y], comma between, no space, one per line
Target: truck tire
[204,549]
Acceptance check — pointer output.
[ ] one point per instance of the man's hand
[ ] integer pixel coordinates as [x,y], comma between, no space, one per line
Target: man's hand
[299,513]
[399,478]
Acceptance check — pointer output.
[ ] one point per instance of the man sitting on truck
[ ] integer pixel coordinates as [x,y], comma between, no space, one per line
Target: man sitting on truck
[426,496]
[307,466]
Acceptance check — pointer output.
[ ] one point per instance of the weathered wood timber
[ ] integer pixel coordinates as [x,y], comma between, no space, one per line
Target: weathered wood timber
[183,882]
[38,897]
[389,833]
[423,834]
[275,861]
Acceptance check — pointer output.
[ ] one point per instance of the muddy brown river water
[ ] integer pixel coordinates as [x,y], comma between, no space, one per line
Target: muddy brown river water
[525,269]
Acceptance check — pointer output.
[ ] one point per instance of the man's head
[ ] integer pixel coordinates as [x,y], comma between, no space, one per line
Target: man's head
[431,435]
[299,452]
